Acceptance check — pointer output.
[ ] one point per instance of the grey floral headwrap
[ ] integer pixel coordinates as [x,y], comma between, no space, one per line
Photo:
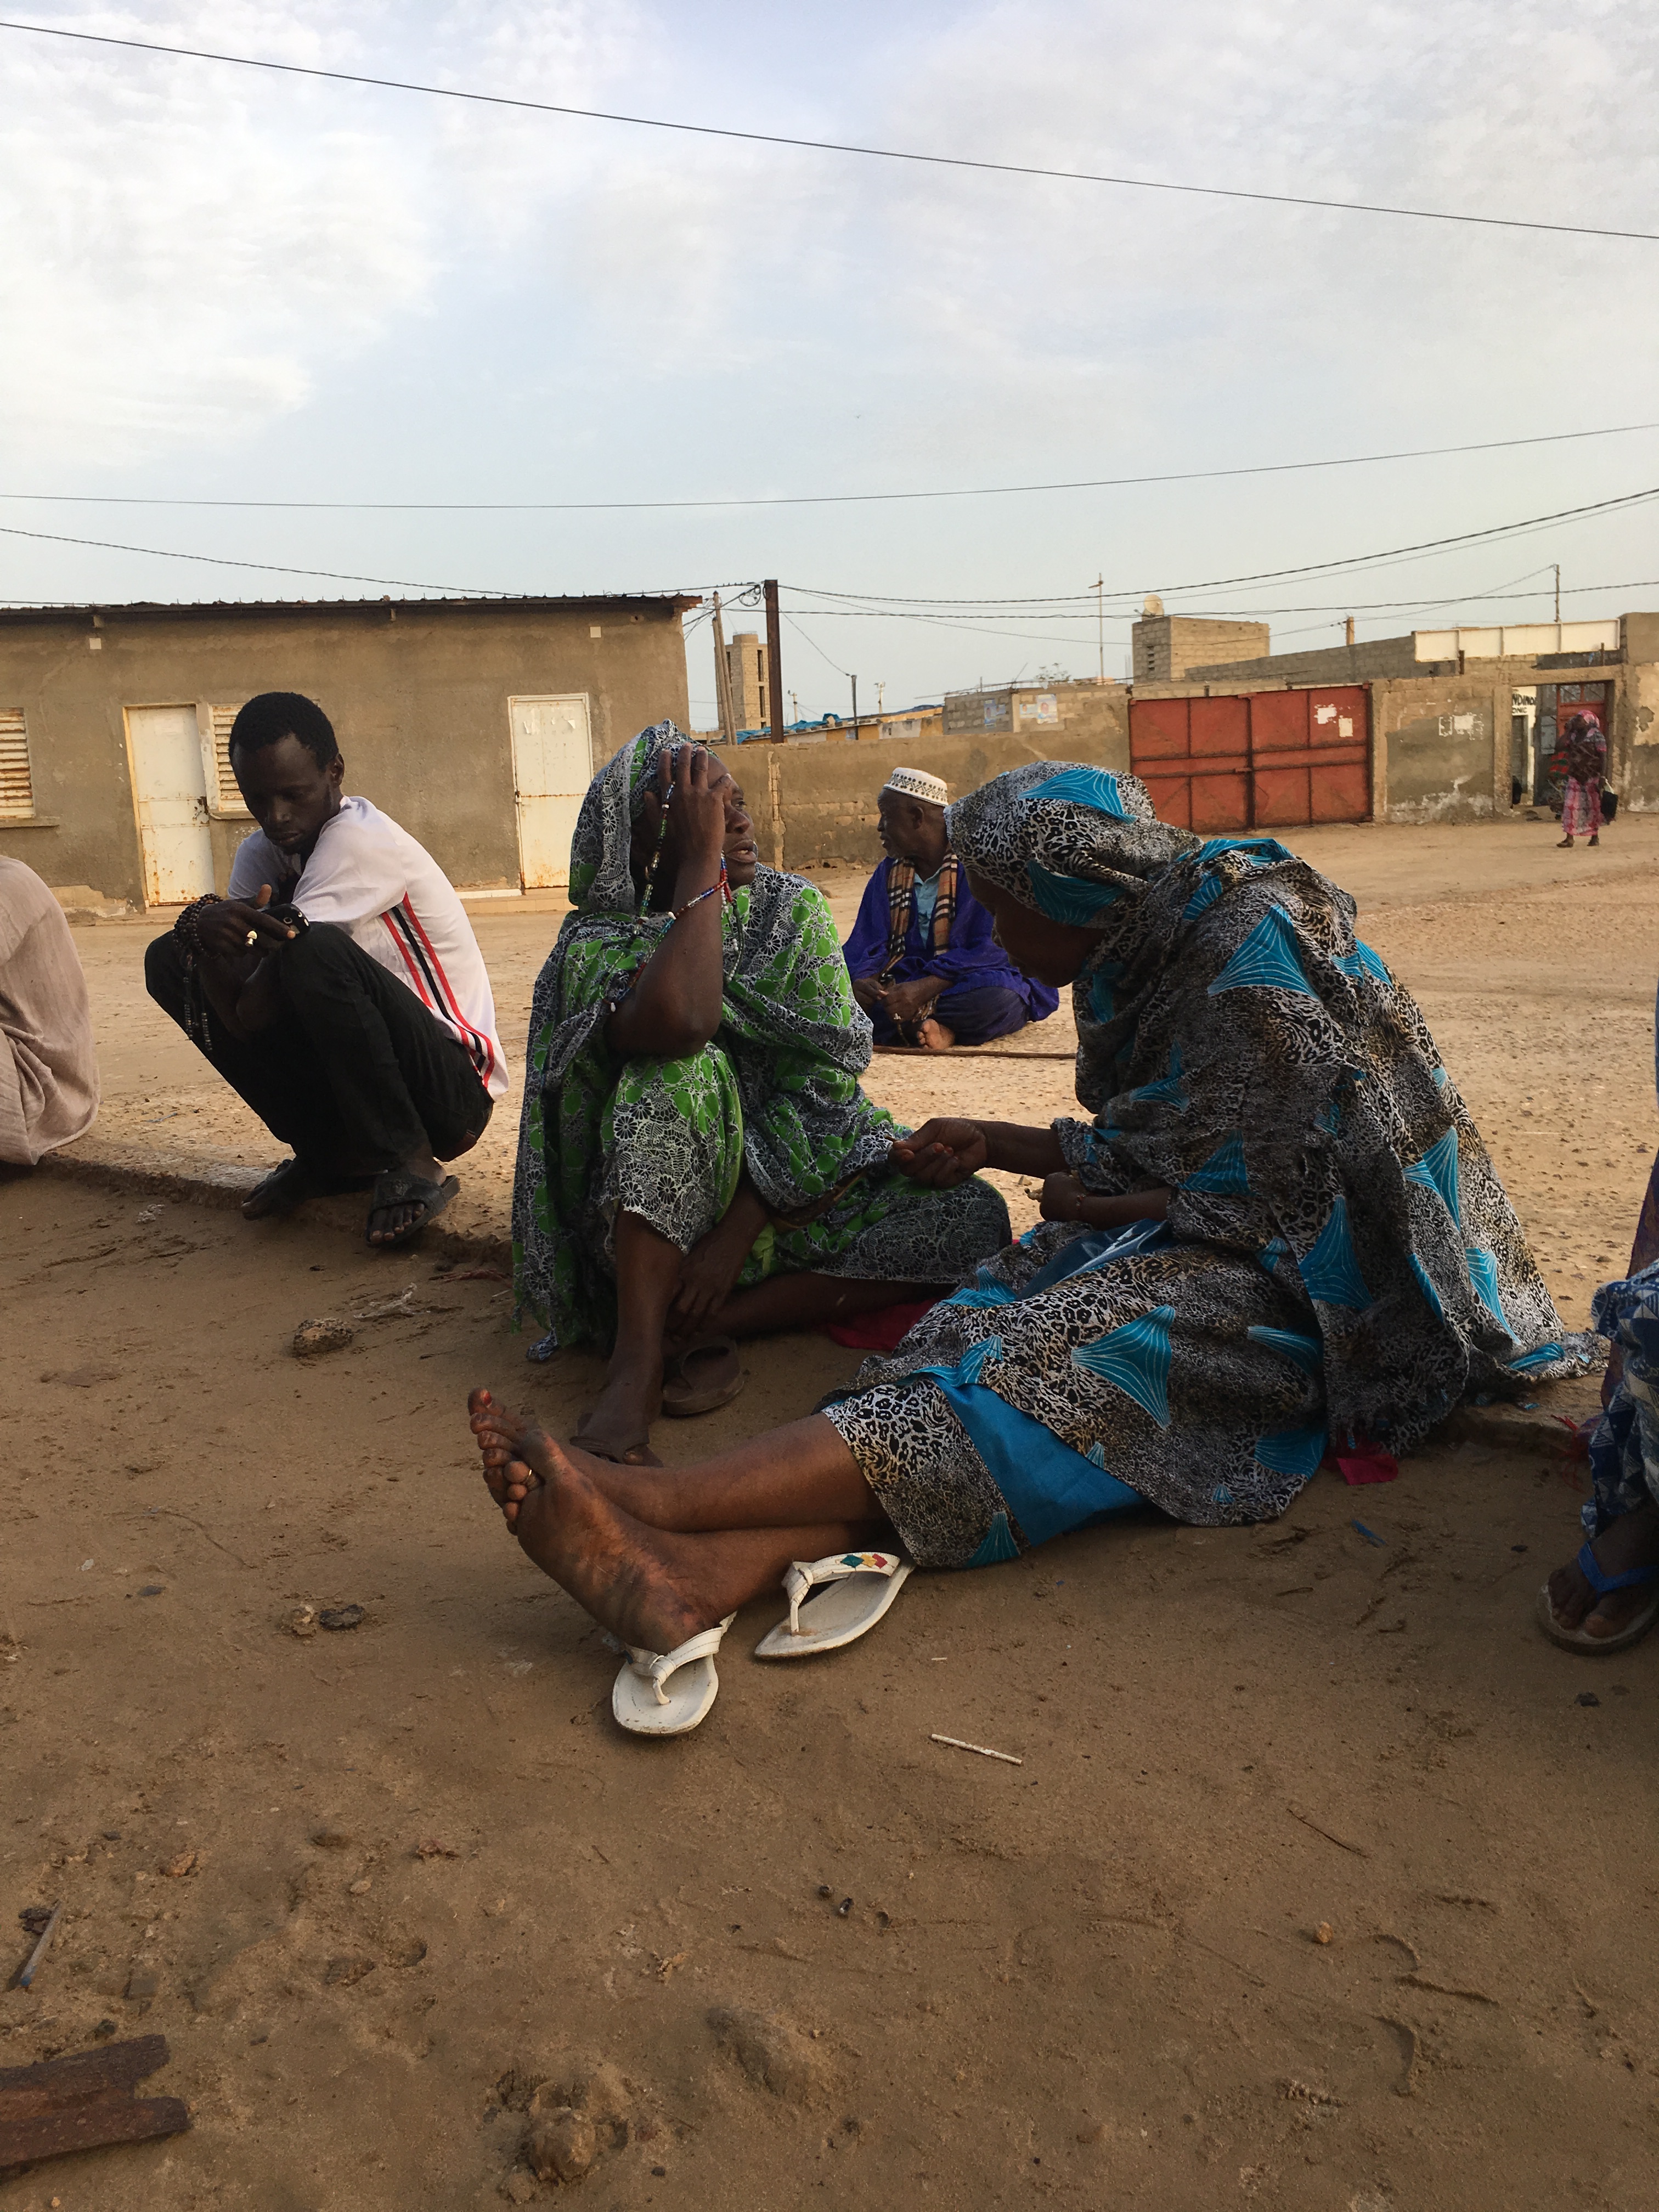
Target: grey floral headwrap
[601,879]
[1066,840]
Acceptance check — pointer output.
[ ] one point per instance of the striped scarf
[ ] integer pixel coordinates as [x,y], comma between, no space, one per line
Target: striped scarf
[901,891]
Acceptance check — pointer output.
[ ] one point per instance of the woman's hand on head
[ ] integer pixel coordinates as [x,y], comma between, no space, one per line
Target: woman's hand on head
[694,783]
[941,1154]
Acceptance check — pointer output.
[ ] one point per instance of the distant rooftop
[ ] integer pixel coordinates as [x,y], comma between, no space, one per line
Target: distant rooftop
[96,611]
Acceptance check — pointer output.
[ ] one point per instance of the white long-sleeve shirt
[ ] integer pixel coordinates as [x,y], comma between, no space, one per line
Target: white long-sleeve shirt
[371,878]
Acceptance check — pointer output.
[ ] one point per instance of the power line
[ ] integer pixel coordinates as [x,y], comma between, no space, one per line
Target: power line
[816,646]
[809,499]
[270,568]
[1074,601]
[968,628]
[831,145]
[286,569]
[886,605]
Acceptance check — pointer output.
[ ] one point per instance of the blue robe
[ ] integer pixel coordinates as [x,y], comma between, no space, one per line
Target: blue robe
[971,961]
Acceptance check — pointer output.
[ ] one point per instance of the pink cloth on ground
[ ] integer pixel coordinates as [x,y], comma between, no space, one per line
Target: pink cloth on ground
[882,1330]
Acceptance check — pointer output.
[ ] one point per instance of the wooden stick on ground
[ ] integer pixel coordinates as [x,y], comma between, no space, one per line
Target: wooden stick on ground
[85,2102]
[42,1947]
[984,1749]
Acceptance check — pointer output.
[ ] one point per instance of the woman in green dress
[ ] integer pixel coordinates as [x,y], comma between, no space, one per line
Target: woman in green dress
[696,1158]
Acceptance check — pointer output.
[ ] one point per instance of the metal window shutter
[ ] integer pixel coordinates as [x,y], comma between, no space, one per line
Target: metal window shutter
[16,784]
[229,800]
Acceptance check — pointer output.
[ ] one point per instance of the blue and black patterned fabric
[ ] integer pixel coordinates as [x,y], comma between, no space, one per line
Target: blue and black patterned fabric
[1623,1450]
[1339,1258]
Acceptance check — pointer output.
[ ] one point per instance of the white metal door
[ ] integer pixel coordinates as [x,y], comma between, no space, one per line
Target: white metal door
[552,768]
[169,790]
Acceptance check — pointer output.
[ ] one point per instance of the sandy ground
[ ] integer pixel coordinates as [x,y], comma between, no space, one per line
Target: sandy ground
[430,1874]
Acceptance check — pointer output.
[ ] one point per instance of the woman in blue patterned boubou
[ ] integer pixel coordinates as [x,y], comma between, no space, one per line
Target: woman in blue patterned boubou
[1279,1230]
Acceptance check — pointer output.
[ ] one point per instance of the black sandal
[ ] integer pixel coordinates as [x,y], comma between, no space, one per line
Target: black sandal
[280,1192]
[397,1186]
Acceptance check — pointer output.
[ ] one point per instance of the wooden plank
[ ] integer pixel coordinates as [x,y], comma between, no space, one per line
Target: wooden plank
[56,2082]
[89,2124]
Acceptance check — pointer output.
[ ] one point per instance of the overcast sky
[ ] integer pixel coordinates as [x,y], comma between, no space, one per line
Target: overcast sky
[223,284]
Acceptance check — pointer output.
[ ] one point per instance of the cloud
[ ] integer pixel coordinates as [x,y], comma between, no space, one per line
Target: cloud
[186,251]
[221,281]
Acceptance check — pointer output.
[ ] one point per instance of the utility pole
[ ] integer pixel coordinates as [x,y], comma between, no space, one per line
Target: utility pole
[774,661]
[855,706]
[1557,595]
[723,679]
[1100,619]
[1347,629]
[794,708]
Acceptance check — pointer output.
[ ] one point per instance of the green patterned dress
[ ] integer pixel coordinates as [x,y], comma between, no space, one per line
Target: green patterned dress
[775,1090]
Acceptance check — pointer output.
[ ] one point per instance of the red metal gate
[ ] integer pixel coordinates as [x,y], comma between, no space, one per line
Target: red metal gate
[1259,760]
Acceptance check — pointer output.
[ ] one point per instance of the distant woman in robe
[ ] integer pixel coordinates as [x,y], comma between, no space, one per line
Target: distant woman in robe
[1586,748]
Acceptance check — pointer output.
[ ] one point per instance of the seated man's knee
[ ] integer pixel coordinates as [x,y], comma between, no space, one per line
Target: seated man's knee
[317,955]
[982,1011]
[164,971]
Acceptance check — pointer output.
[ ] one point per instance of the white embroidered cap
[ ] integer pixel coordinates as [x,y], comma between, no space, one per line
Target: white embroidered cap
[916,783]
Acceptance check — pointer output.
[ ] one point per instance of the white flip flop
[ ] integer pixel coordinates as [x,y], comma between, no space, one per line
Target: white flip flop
[642,1700]
[862,1586]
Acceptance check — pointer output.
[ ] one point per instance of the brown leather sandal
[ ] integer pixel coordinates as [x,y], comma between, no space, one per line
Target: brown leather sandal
[702,1378]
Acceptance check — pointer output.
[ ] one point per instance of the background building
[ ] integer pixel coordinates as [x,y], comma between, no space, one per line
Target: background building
[1165,647]
[746,662]
[475,723]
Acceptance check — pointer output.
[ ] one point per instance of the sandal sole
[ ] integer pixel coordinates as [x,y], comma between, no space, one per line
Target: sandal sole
[1593,1647]
[689,1403]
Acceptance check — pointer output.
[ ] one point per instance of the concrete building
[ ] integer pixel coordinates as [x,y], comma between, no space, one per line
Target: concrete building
[1431,745]
[817,801]
[1031,711]
[1450,734]
[745,661]
[1427,653]
[475,723]
[1165,647]
[908,728]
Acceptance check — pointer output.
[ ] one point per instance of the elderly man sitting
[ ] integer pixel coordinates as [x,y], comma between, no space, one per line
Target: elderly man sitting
[924,965]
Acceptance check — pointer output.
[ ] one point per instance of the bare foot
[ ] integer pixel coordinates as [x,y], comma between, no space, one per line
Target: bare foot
[518,1454]
[619,1569]
[1631,1541]
[933,1036]
[508,1474]
[618,1424]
